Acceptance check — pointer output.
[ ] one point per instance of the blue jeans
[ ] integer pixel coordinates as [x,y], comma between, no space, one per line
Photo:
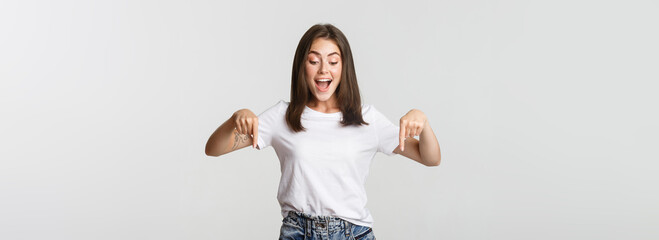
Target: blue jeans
[301,226]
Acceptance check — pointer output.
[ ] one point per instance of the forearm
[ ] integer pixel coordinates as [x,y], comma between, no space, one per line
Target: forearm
[222,139]
[429,147]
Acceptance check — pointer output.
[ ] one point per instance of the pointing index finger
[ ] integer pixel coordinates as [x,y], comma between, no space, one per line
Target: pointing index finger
[401,138]
[255,130]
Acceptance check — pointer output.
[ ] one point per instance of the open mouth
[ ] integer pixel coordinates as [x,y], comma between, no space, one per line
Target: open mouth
[323,84]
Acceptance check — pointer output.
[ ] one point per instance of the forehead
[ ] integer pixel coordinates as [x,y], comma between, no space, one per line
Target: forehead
[324,47]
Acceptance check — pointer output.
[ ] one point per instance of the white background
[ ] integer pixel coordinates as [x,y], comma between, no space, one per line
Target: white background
[546,113]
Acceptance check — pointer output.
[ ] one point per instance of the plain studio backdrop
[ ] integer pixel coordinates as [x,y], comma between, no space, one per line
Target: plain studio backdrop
[546,113]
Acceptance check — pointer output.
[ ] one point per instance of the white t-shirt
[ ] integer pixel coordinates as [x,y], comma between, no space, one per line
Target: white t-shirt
[324,169]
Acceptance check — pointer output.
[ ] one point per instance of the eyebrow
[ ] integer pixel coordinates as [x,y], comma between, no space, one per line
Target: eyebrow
[317,53]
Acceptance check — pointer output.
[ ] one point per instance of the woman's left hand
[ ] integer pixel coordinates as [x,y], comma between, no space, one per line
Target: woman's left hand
[411,125]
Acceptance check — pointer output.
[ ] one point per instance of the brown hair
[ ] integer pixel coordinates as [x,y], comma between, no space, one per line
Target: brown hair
[347,92]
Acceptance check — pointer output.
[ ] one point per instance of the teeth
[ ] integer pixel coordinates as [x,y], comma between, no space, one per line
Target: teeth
[324,80]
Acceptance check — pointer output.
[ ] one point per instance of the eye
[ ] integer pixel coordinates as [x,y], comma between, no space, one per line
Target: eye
[313,62]
[334,63]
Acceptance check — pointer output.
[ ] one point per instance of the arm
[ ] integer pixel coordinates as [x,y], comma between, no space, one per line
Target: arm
[234,134]
[425,150]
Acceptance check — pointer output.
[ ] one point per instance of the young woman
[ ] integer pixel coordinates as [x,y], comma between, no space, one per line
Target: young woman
[325,140]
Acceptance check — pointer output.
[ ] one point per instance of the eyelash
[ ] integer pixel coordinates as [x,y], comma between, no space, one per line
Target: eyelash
[315,62]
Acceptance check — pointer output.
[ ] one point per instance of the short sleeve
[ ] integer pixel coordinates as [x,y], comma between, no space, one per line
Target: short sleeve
[386,131]
[268,120]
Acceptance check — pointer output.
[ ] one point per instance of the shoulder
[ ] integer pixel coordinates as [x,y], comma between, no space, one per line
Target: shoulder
[278,109]
[366,108]
[369,112]
[282,105]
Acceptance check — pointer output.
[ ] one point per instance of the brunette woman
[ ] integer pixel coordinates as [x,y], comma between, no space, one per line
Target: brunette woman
[325,139]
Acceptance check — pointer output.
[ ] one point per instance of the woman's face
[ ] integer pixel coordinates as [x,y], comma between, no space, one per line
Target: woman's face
[323,68]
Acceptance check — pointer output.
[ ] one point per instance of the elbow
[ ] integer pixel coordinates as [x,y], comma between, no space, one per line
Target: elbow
[431,159]
[211,153]
[213,150]
[434,162]
[438,160]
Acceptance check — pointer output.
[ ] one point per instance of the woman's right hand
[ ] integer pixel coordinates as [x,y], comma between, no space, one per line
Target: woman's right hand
[247,122]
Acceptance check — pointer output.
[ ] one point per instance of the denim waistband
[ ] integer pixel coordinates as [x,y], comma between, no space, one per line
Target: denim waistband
[326,224]
[306,216]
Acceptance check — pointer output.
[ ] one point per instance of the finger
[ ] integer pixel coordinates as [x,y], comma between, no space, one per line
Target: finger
[255,130]
[401,138]
[237,126]
[248,126]
[243,126]
[419,130]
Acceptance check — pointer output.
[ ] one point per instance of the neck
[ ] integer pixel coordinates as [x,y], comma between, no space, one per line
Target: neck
[329,106]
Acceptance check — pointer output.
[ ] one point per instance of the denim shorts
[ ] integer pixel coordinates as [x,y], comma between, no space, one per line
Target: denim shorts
[301,226]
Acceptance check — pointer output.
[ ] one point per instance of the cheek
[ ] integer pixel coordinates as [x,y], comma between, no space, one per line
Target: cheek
[309,70]
[336,71]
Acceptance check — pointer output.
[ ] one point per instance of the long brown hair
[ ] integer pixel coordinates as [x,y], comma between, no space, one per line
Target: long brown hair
[347,92]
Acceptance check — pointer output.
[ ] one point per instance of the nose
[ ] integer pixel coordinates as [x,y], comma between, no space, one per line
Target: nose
[323,67]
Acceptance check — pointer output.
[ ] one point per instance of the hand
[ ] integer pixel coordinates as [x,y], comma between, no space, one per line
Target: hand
[247,123]
[411,125]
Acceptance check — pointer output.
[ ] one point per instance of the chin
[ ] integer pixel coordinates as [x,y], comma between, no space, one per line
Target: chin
[323,97]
